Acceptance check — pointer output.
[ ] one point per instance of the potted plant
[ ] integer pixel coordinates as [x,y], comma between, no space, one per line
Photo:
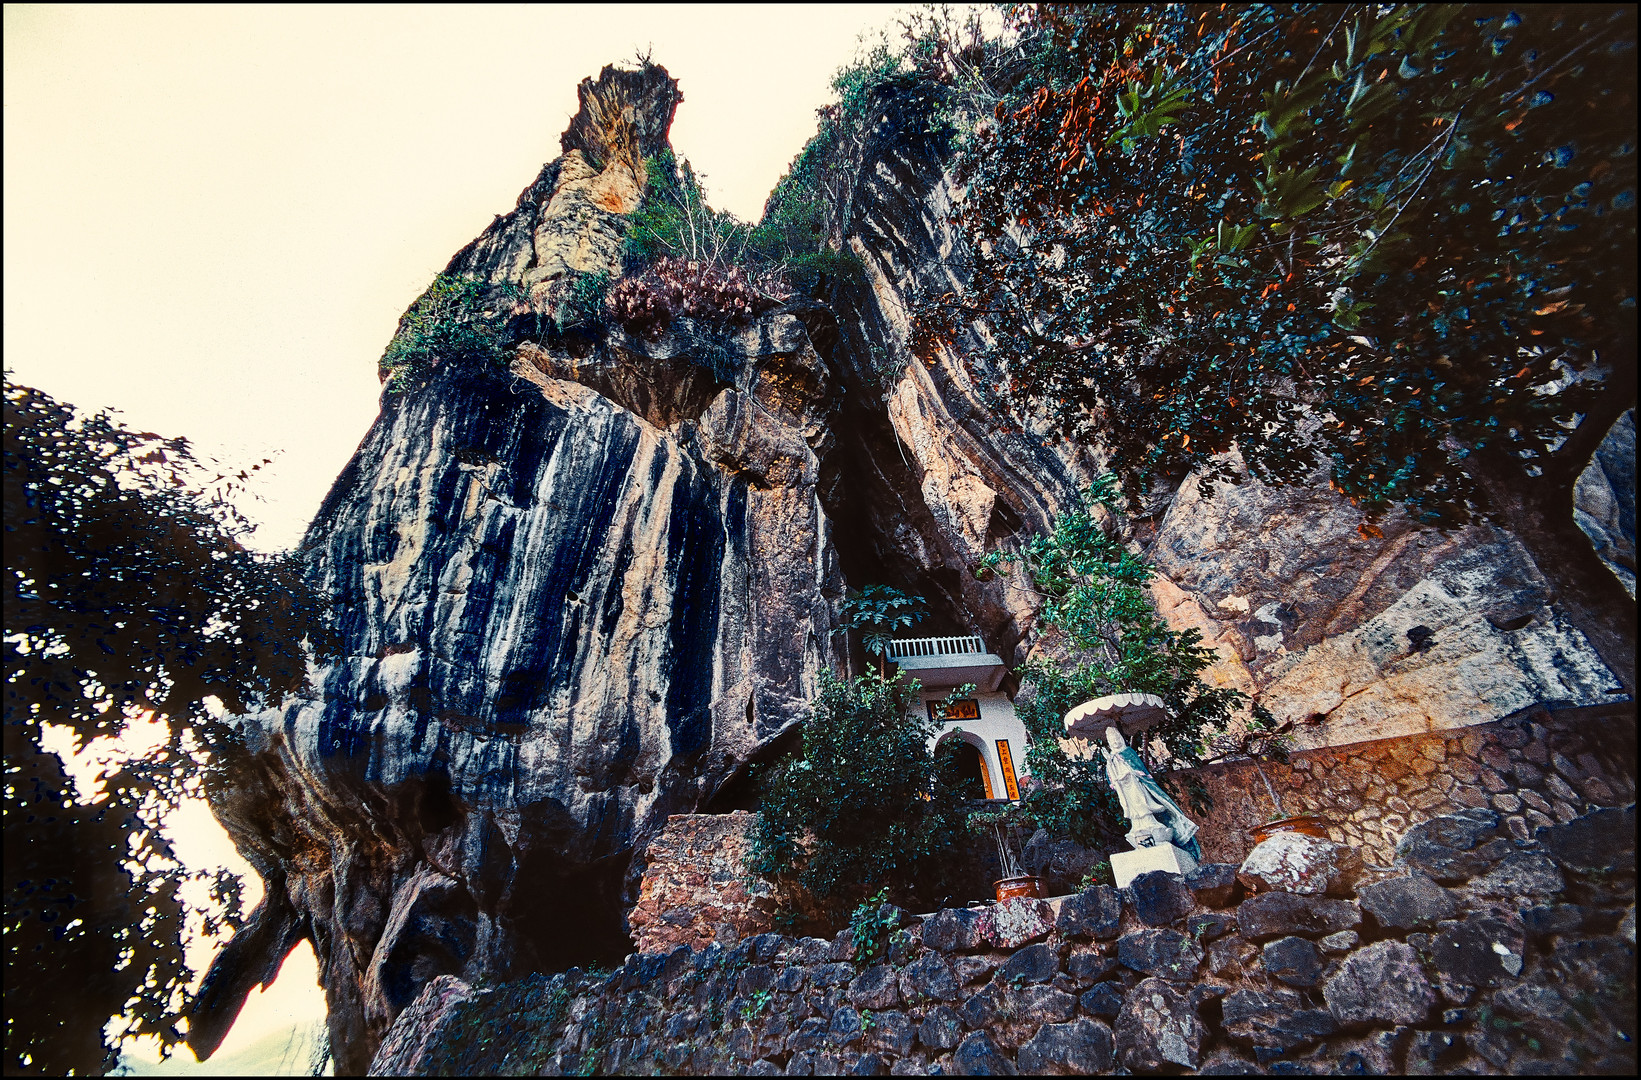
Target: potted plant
[1263,739]
[1015,881]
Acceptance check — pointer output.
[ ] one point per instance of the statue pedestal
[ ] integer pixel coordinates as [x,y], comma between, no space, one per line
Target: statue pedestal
[1128,865]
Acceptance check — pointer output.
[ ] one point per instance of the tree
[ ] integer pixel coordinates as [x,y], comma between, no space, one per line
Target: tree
[878,611]
[863,803]
[127,593]
[1094,595]
[1397,242]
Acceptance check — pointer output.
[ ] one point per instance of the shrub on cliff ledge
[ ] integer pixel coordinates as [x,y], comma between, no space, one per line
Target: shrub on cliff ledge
[450,322]
[1095,597]
[862,804]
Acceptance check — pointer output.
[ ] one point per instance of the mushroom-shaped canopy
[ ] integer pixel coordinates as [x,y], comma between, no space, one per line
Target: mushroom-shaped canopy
[1128,713]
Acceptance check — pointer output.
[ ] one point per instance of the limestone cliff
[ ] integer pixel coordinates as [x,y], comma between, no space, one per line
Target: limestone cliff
[585,593]
[573,598]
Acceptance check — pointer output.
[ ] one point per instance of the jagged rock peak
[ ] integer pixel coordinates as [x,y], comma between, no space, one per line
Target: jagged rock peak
[624,112]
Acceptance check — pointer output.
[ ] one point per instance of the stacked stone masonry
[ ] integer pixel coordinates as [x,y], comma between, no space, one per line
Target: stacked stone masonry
[1476,951]
[1535,770]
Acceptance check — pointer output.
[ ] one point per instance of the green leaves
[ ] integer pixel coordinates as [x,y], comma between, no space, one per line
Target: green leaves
[1146,110]
[1290,193]
[863,804]
[451,321]
[879,612]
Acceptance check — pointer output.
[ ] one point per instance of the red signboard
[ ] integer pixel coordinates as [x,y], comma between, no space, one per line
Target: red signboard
[961,709]
[1006,761]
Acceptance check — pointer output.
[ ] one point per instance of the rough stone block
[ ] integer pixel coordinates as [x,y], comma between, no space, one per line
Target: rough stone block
[1276,914]
[1093,913]
[1483,950]
[1455,846]
[1293,960]
[1380,984]
[1522,876]
[1158,1027]
[1165,954]
[1104,999]
[929,978]
[1214,884]
[1276,1019]
[1600,840]
[875,988]
[1033,964]
[892,1033]
[954,930]
[1088,967]
[1012,923]
[1407,903]
[1159,898]
[971,969]
[977,1055]
[1230,957]
[941,1029]
[1042,1005]
[1295,863]
[1209,927]
[1082,1047]
[1339,944]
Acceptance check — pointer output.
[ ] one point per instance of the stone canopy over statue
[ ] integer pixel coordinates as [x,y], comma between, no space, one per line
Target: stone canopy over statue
[1162,836]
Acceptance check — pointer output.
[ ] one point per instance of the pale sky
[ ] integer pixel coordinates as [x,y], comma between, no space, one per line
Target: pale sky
[214,216]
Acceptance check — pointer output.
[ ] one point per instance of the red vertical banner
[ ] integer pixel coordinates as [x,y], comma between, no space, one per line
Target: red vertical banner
[1006,760]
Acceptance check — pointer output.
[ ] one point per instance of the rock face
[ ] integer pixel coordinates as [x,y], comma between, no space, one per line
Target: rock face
[565,613]
[584,594]
[1604,501]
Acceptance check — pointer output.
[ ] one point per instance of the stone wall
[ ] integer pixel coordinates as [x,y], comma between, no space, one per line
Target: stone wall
[696,888]
[1535,769]
[1476,951]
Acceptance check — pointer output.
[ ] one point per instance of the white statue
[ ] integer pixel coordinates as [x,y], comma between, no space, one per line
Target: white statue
[1155,818]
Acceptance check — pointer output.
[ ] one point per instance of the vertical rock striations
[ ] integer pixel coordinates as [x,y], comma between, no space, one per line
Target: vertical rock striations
[573,598]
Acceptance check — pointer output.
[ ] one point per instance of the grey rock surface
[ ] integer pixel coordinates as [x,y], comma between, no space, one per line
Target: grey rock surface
[1382,983]
[1279,914]
[1159,898]
[1166,954]
[1095,912]
[1081,1048]
[1158,1028]
[1604,500]
[1407,903]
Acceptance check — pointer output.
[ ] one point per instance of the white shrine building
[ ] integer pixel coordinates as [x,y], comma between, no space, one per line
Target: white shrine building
[992,738]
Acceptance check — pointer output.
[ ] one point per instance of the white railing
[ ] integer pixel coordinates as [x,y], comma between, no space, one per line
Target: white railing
[935,646]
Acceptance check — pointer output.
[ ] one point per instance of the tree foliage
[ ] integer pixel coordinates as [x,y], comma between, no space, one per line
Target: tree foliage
[863,803]
[127,594]
[1394,240]
[1094,594]
[879,612]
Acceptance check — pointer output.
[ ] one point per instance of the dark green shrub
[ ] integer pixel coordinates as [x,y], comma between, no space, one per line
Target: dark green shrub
[862,805]
[450,322]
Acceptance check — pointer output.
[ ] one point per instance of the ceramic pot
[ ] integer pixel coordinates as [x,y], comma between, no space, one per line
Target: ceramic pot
[1023,885]
[1306,824]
